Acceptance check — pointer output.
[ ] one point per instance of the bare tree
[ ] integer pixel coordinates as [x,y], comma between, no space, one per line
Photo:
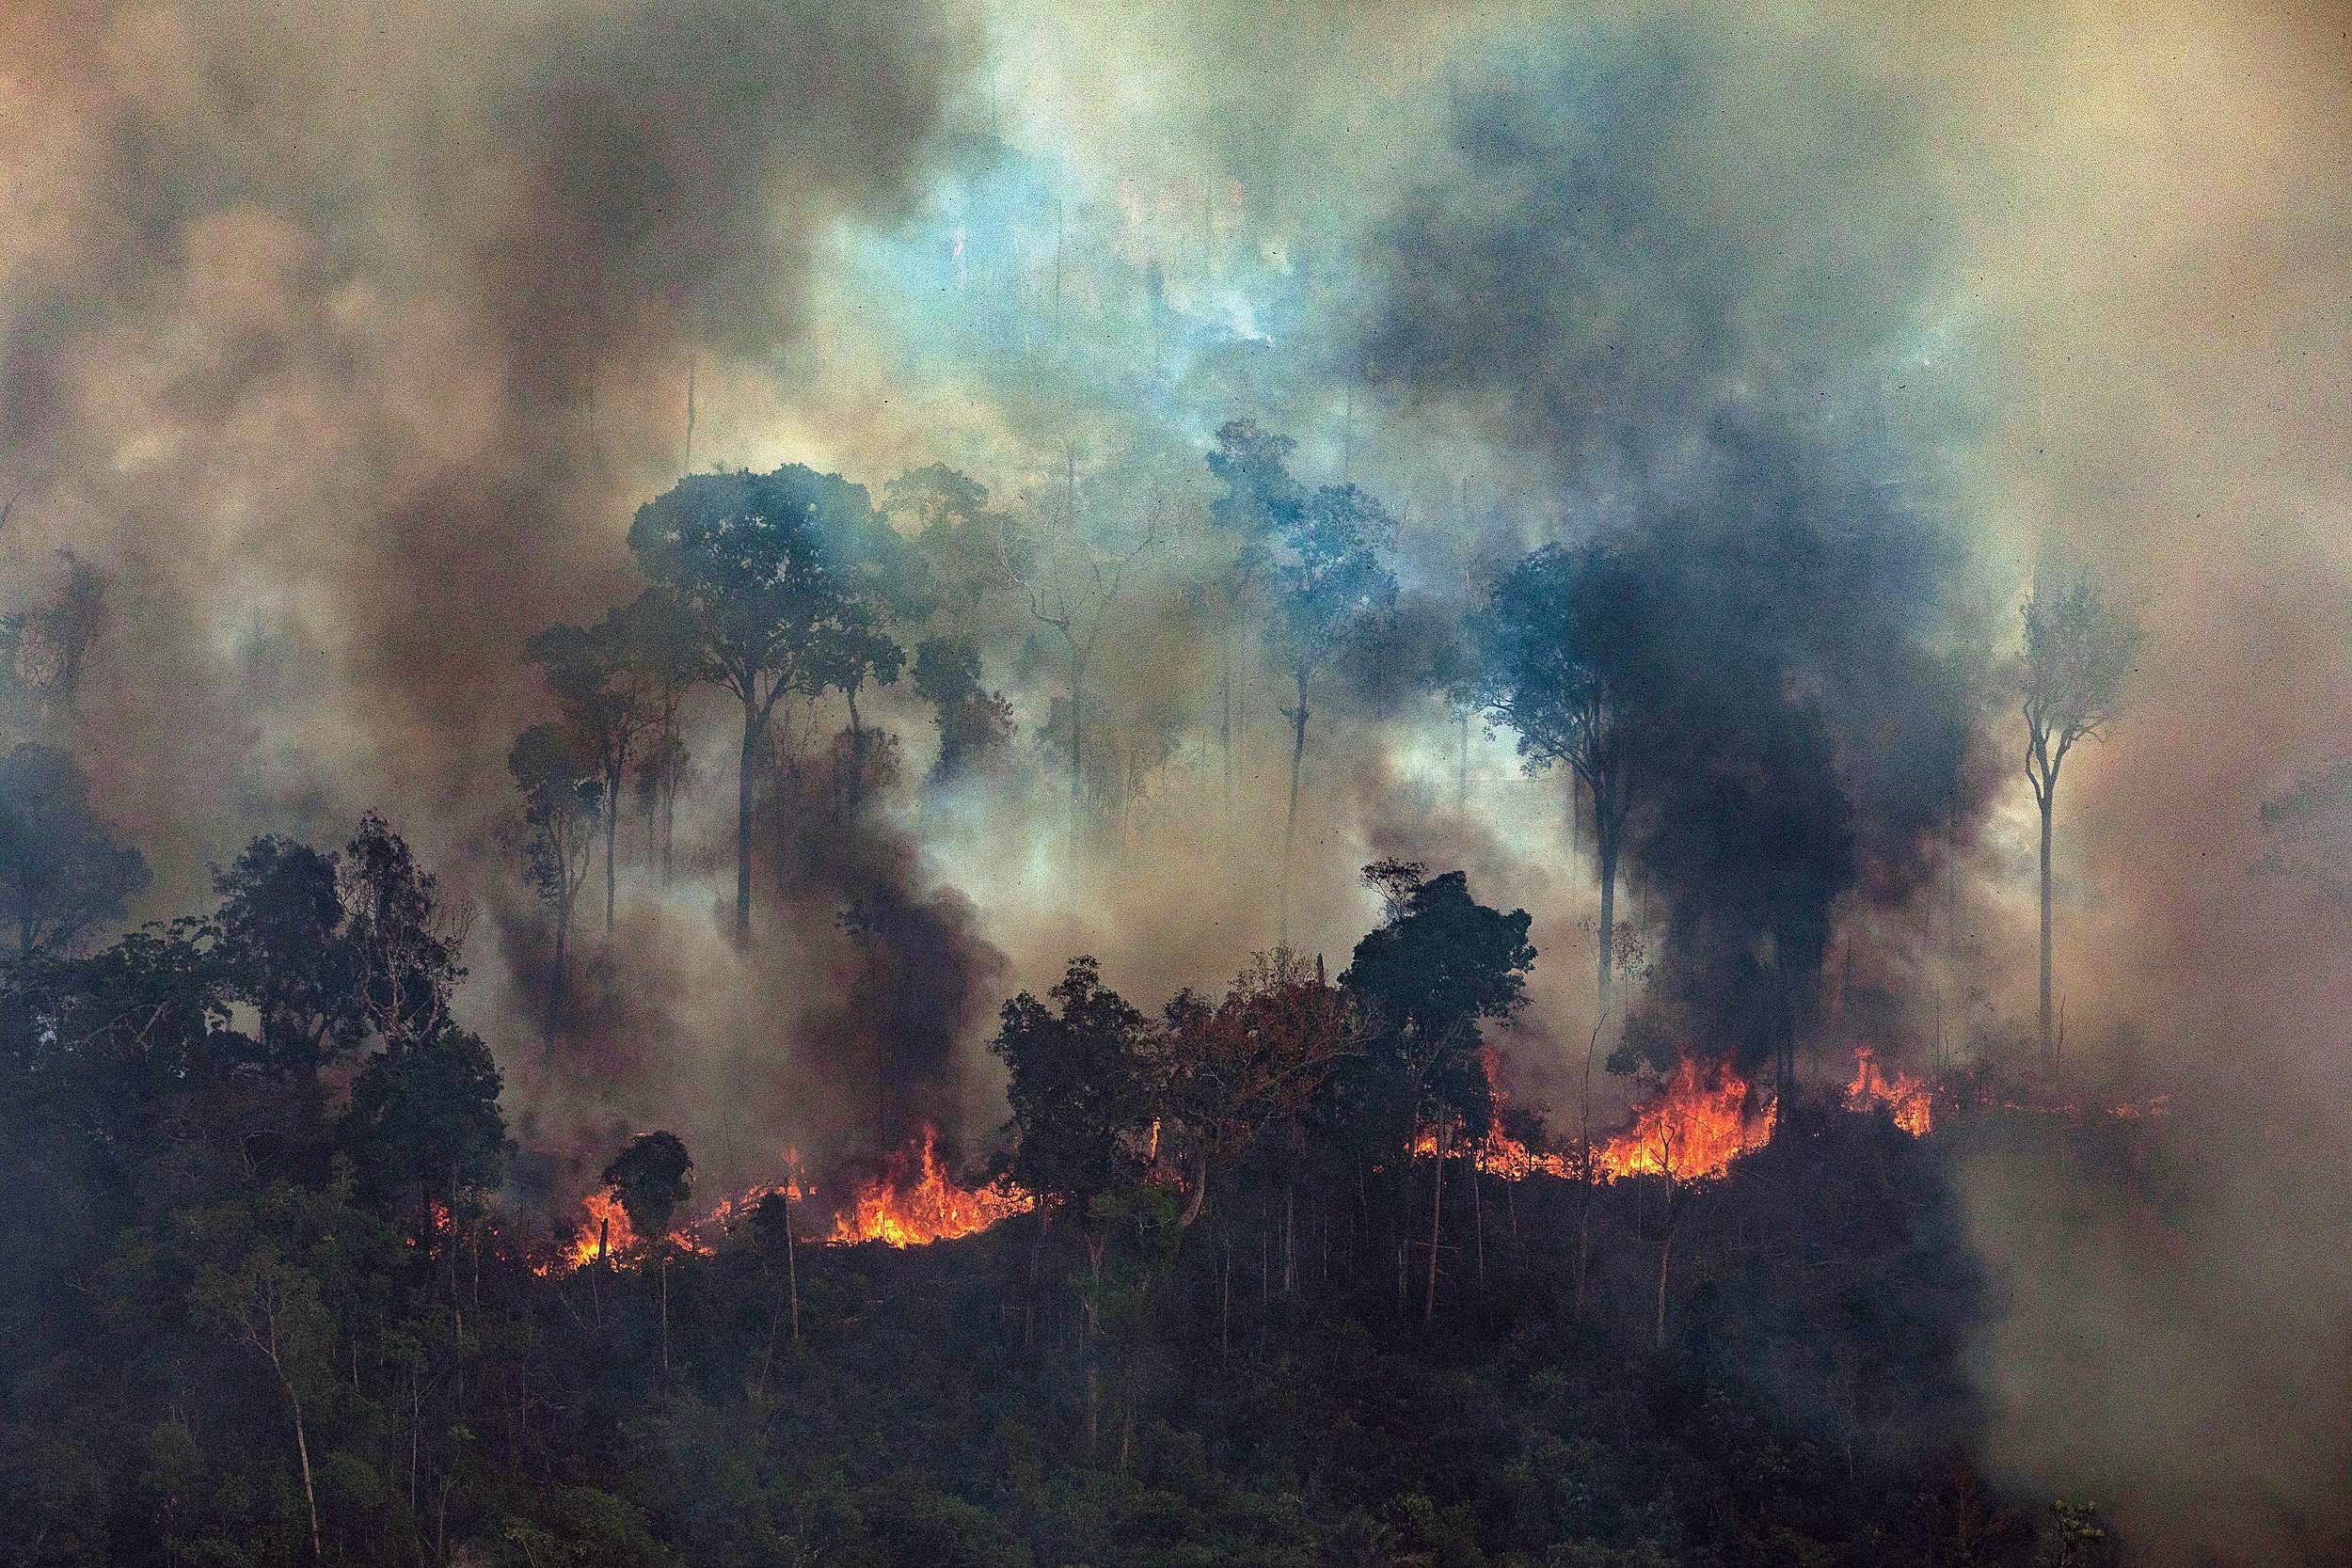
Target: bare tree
[2079,649]
[1071,585]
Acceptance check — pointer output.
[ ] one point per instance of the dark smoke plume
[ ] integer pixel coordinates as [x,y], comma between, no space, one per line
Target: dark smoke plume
[1604,283]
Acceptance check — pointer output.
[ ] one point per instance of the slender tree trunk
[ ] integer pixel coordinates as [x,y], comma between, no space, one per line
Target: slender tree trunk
[1606,840]
[743,827]
[612,829]
[302,1439]
[1437,1218]
[1290,819]
[1665,1251]
[2049,795]
[555,981]
[1461,774]
[663,1243]
[1225,727]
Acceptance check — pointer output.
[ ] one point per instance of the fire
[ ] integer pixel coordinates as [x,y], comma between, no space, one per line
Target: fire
[1912,1101]
[605,1229]
[1693,1129]
[913,1201]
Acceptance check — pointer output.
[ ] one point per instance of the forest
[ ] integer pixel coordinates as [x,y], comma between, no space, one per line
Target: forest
[1391,783]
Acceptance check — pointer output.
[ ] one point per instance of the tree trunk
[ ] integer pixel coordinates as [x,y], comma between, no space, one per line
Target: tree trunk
[1461,776]
[743,827]
[1436,1217]
[2049,795]
[555,980]
[1290,821]
[1605,838]
[1665,1251]
[663,1245]
[612,828]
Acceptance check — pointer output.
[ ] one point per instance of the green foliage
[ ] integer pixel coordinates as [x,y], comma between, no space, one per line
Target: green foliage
[1081,1086]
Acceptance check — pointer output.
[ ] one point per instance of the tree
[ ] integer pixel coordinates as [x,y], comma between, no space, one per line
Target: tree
[62,870]
[2078,651]
[1071,585]
[1254,1061]
[616,681]
[975,723]
[1427,974]
[281,946]
[1260,500]
[1080,1089]
[1316,556]
[562,802]
[1551,648]
[1327,589]
[424,1119]
[780,577]
[405,942]
[650,1179]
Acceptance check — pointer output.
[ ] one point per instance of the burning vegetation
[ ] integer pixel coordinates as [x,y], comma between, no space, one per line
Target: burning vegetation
[911,1200]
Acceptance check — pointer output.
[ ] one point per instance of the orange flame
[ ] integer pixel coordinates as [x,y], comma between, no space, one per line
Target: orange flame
[913,1201]
[1693,1129]
[1912,1101]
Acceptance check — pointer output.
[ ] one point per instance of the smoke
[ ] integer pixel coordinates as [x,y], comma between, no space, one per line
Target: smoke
[340,345]
[1627,274]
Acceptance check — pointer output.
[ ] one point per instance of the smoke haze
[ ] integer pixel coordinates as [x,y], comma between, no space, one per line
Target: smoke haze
[345,346]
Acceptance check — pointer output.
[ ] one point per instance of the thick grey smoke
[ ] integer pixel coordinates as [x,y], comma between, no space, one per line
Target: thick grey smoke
[1692,294]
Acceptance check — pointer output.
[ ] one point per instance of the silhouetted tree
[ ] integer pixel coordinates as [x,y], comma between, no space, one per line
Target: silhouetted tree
[62,870]
[1327,589]
[1427,974]
[282,947]
[975,723]
[405,942]
[615,681]
[1551,649]
[2078,650]
[562,799]
[651,1178]
[780,574]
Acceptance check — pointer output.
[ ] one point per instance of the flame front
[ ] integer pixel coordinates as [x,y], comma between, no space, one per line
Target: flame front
[913,1201]
[1692,1130]
[1912,1101]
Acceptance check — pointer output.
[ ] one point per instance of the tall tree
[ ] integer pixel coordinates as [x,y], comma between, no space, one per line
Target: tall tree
[1072,583]
[283,948]
[62,869]
[775,574]
[1551,650]
[563,791]
[1436,965]
[1326,588]
[651,1178]
[1260,500]
[610,696]
[2078,651]
[1080,1087]
[975,723]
